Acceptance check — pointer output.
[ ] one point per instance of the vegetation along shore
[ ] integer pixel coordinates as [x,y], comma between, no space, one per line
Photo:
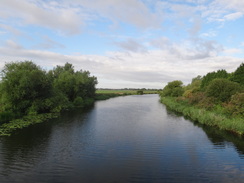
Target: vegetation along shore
[29,94]
[216,99]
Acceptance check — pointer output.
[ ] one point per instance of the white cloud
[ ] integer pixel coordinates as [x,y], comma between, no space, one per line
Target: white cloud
[209,34]
[233,16]
[42,13]
[134,12]
[237,5]
[232,51]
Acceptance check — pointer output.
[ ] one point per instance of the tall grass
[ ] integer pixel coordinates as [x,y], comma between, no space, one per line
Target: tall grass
[203,116]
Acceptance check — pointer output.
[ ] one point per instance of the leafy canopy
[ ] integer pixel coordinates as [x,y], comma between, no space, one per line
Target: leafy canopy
[173,89]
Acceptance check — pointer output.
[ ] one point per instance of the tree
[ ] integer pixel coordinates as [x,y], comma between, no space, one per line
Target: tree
[73,84]
[213,75]
[23,83]
[222,89]
[173,89]
[193,87]
[238,75]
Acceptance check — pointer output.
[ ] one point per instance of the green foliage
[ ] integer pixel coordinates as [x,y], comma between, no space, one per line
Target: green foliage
[193,87]
[173,89]
[213,75]
[222,89]
[73,84]
[89,101]
[79,102]
[23,83]
[201,100]
[217,99]
[238,75]
[27,90]
[236,105]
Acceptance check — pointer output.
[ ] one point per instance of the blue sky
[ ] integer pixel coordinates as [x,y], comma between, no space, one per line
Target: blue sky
[125,43]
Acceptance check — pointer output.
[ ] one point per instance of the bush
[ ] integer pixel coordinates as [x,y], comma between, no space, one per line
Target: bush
[79,102]
[195,98]
[236,105]
[173,89]
[222,89]
[139,92]
[207,103]
[89,101]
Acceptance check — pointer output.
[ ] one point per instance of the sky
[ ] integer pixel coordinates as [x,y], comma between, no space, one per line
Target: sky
[125,43]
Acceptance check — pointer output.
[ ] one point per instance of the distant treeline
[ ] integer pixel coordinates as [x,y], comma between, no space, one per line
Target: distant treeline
[26,89]
[131,89]
[218,95]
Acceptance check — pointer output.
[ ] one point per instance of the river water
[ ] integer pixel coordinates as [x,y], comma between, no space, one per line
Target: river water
[124,139]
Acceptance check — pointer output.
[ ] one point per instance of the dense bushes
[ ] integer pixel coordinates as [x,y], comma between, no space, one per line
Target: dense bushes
[213,89]
[216,94]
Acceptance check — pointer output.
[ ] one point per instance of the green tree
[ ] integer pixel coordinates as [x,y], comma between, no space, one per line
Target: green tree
[173,89]
[73,84]
[213,75]
[222,89]
[238,75]
[22,84]
[193,87]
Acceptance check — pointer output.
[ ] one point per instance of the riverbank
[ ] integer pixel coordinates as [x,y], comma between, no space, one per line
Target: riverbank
[7,128]
[204,116]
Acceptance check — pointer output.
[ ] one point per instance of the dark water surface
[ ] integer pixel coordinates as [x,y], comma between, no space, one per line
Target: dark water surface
[124,139]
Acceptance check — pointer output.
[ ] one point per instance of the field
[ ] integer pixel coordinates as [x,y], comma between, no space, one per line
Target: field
[126,92]
[103,94]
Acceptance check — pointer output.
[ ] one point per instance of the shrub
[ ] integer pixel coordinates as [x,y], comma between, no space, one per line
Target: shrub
[139,92]
[187,93]
[79,102]
[222,89]
[236,105]
[207,103]
[89,101]
[195,98]
[173,89]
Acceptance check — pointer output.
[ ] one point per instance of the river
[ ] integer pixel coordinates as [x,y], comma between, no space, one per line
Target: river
[123,139]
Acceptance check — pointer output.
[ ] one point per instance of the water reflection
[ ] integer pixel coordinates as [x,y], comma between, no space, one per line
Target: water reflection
[223,139]
[220,138]
[22,151]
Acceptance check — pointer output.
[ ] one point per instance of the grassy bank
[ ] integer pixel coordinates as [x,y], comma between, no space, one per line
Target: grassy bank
[204,116]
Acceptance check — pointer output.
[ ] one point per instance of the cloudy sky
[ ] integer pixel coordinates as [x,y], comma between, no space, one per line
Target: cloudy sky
[125,43]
